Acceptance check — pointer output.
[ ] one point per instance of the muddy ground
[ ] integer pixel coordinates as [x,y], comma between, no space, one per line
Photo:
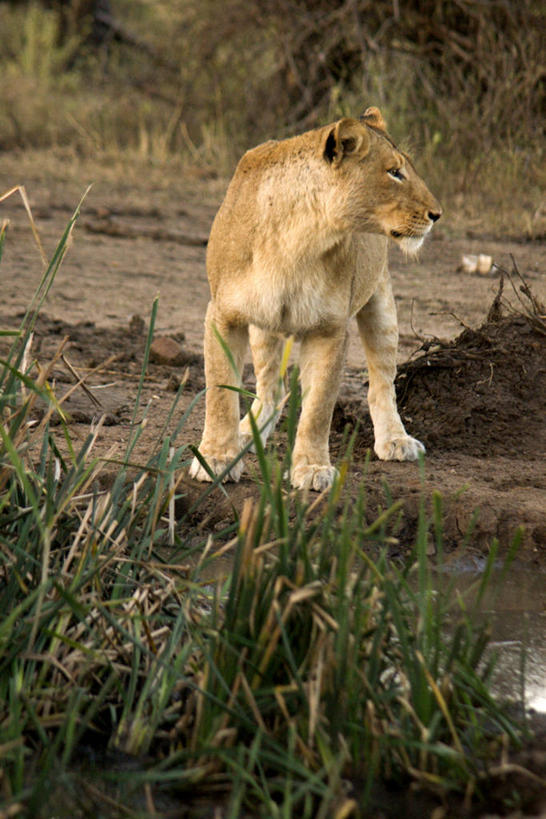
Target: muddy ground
[478,405]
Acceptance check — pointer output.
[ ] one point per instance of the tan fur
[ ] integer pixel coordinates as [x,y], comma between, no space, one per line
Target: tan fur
[299,247]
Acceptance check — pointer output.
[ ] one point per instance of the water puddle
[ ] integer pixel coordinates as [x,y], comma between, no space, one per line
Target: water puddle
[516,607]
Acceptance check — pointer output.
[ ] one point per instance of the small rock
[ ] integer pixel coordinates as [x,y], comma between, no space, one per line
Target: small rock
[166,350]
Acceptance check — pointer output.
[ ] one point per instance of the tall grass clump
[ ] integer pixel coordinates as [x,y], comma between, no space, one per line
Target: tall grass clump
[91,625]
[324,665]
[315,671]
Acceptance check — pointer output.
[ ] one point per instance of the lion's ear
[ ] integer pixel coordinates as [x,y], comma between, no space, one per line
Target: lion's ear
[346,138]
[373,116]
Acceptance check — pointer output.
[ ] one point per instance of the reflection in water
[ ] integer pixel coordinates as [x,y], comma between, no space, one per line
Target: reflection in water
[516,607]
[512,631]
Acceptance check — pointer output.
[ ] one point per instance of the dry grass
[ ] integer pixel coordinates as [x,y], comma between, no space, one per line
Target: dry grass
[188,80]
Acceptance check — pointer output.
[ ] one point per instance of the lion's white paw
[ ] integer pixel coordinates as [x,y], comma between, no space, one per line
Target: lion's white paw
[403,448]
[217,465]
[313,476]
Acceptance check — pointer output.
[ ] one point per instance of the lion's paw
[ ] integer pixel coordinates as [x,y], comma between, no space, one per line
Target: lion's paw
[313,476]
[217,466]
[403,448]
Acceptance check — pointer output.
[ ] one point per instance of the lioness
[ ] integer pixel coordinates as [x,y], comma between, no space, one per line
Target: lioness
[298,247]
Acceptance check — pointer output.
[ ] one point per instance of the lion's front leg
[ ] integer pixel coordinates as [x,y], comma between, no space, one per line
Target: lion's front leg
[378,328]
[220,443]
[321,363]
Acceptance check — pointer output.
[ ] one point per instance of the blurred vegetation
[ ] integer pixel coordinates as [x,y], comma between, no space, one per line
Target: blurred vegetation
[206,80]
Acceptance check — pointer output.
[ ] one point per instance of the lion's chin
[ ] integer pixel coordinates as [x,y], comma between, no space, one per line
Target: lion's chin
[410,244]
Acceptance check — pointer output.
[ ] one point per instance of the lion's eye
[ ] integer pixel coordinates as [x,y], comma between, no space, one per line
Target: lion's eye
[397,174]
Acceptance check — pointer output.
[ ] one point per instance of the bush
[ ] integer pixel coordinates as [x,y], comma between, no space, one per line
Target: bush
[458,77]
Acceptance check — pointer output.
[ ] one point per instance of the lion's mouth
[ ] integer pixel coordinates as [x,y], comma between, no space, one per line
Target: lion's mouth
[411,233]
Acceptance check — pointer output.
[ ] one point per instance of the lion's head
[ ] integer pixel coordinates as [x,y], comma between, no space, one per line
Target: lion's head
[383,192]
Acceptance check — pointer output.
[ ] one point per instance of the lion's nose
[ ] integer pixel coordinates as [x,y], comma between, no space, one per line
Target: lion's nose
[434,215]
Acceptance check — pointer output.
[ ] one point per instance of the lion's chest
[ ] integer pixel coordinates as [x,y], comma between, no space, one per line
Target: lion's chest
[295,277]
[295,301]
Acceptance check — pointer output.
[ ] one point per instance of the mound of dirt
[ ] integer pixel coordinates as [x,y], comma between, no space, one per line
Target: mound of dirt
[481,394]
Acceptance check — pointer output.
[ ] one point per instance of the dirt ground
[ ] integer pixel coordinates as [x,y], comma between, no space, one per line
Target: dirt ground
[478,405]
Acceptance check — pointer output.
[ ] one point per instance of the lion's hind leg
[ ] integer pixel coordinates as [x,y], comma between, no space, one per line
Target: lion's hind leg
[267,351]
